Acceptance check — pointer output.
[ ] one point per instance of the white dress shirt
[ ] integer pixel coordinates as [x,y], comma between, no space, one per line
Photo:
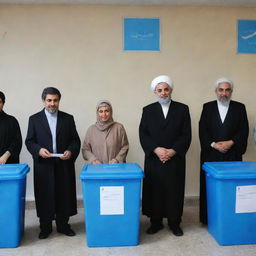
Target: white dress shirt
[52,121]
[165,108]
[223,109]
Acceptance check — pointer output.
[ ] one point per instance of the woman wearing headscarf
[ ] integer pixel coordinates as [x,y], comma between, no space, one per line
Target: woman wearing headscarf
[10,136]
[106,140]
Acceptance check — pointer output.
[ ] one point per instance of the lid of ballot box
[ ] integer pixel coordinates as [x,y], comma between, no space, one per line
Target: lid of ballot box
[112,171]
[13,171]
[231,170]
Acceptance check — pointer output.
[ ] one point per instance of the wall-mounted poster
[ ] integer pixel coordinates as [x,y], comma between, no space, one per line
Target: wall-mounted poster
[141,34]
[246,36]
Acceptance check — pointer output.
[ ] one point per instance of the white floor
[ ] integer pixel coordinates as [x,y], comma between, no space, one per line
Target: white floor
[196,241]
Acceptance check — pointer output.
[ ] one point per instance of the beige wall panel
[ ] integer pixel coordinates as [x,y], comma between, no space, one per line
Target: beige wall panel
[79,49]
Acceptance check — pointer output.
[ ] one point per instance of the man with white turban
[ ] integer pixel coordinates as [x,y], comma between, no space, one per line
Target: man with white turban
[223,133]
[165,136]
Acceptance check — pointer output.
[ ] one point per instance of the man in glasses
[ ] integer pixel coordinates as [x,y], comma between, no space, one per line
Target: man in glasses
[223,133]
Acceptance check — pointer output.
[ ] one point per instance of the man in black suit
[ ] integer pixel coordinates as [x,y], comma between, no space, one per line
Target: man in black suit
[223,133]
[165,136]
[53,142]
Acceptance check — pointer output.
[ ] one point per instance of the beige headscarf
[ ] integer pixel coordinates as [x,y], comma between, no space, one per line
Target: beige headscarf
[103,126]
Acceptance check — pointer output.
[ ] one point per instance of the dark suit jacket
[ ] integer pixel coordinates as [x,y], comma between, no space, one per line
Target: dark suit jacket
[163,186]
[211,129]
[54,179]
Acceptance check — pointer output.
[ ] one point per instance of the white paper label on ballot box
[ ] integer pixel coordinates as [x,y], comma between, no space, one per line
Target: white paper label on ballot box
[112,200]
[246,199]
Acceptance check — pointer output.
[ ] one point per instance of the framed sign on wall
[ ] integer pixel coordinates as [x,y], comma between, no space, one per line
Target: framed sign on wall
[246,36]
[141,34]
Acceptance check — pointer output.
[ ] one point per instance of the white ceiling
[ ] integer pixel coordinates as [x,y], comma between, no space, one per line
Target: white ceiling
[139,2]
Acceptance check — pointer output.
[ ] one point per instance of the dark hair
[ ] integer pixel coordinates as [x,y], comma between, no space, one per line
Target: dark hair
[50,90]
[2,97]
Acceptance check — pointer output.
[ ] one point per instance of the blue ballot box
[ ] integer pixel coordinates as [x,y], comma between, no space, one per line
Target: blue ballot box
[231,201]
[111,195]
[12,203]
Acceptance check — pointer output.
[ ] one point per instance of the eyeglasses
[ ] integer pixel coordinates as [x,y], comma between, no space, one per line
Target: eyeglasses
[224,90]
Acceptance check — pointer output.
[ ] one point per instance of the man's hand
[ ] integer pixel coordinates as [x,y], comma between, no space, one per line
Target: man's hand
[223,146]
[161,153]
[4,158]
[227,144]
[164,154]
[170,153]
[67,155]
[44,153]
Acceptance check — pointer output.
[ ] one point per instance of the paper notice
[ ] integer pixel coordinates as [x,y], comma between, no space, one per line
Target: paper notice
[112,200]
[246,199]
[56,155]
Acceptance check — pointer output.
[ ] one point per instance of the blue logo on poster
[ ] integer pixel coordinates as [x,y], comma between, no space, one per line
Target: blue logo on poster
[141,34]
[246,36]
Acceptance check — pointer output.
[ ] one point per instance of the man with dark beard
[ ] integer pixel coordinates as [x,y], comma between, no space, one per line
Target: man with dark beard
[165,136]
[53,142]
[223,133]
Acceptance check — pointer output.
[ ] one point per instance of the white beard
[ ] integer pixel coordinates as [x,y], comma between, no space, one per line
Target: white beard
[224,100]
[164,100]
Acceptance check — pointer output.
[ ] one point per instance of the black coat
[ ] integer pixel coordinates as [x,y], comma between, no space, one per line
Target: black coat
[211,129]
[10,137]
[163,186]
[54,179]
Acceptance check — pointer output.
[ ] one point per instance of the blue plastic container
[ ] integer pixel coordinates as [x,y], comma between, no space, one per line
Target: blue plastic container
[12,203]
[231,191]
[111,195]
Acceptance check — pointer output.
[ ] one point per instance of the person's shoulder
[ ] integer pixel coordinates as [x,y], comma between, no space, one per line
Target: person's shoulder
[7,116]
[36,115]
[179,104]
[237,103]
[92,128]
[210,103]
[118,125]
[150,106]
[65,115]
[10,118]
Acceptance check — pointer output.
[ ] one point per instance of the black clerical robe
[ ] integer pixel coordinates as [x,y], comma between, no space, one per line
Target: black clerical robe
[163,185]
[211,129]
[10,137]
[54,179]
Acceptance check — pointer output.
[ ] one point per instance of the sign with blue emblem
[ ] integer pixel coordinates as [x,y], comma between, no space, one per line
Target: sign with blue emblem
[246,36]
[141,34]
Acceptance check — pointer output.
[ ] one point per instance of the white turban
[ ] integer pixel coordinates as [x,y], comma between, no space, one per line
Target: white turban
[223,80]
[161,79]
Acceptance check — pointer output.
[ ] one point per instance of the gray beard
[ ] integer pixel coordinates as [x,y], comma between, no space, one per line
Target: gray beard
[224,101]
[164,100]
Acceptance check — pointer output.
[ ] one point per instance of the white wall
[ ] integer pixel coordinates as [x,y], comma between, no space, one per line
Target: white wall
[78,49]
